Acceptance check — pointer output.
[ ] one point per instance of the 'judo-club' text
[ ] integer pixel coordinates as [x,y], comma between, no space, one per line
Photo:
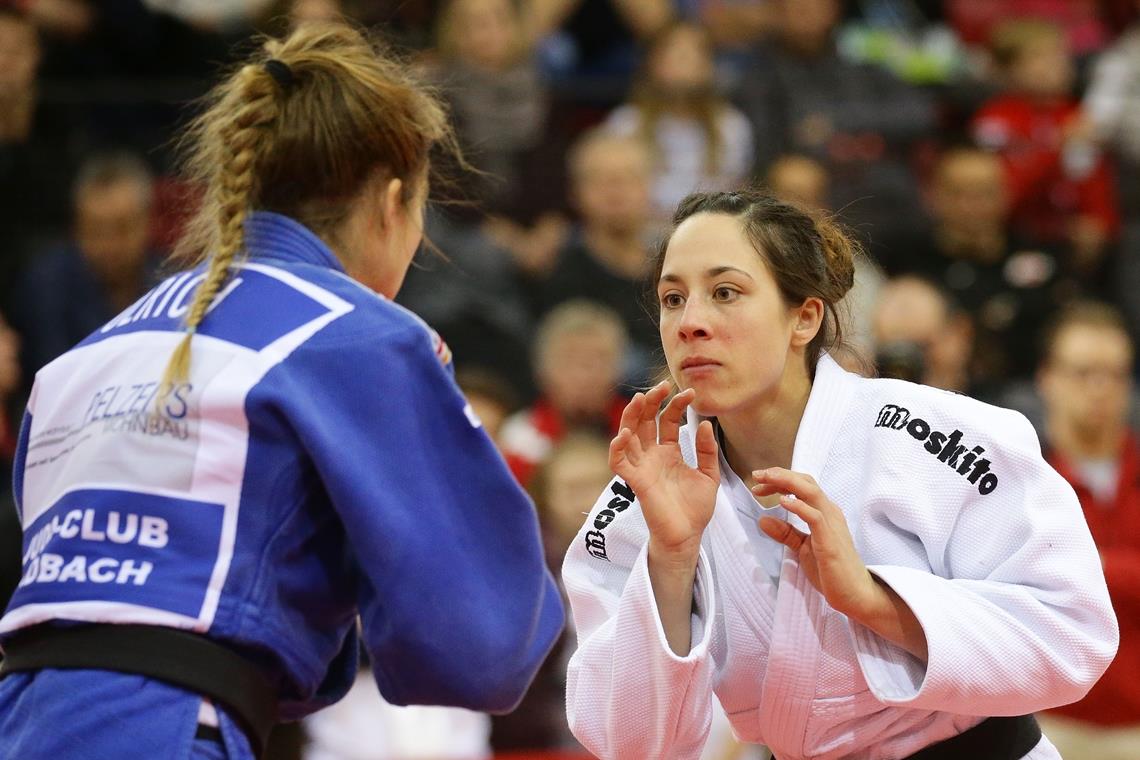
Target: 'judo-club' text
[147,531]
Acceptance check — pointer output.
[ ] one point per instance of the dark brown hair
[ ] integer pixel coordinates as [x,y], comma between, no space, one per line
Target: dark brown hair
[299,129]
[808,254]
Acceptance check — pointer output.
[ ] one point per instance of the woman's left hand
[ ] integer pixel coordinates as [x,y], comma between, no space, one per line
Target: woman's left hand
[827,554]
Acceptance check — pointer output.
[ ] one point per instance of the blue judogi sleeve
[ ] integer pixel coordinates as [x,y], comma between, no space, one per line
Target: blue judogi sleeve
[457,605]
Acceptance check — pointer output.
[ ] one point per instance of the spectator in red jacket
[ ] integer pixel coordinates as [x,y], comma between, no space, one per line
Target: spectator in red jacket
[1085,381]
[1060,185]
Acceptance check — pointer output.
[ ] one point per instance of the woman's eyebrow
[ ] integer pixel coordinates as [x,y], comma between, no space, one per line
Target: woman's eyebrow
[713,272]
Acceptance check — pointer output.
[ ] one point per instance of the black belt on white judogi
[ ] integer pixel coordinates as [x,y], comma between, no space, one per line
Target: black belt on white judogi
[1004,738]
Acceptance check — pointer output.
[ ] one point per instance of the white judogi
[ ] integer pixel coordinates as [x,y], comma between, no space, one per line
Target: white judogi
[949,502]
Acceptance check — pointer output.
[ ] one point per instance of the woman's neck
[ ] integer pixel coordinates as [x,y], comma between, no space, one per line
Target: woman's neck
[764,435]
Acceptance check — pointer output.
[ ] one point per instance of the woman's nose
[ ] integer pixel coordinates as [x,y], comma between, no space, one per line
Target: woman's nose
[694,320]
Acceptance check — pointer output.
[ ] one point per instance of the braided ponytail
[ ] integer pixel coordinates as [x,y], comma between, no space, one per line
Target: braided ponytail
[234,186]
[298,130]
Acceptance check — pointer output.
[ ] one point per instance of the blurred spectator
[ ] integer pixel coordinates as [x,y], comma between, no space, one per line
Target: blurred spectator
[920,336]
[731,23]
[1060,185]
[567,485]
[564,488]
[1112,105]
[858,120]
[593,42]
[606,258]
[35,163]
[800,179]
[491,398]
[70,290]
[1011,286]
[408,24]
[471,297]
[212,15]
[1085,379]
[499,103]
[62,18]
[124,71]
[697,139]
[804,181]
[11,547]
[975,20]
[19,58]
[309,11]
[578,353]
[487,71]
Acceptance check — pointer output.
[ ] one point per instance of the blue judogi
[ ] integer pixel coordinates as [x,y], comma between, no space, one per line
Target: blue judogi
[318,463]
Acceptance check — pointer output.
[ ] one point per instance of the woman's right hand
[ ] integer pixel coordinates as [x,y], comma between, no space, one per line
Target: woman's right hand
[676,500]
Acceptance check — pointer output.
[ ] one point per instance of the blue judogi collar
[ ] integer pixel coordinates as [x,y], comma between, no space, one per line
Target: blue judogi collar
[278,237]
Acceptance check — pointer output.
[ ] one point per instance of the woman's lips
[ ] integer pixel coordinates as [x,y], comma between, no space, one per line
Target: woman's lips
[698,364]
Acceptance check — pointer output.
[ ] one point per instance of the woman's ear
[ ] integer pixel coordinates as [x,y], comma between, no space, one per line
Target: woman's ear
[391,202]
[807,321]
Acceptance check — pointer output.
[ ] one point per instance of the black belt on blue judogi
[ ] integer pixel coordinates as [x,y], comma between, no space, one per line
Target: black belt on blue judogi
[1004,738]
[181,658]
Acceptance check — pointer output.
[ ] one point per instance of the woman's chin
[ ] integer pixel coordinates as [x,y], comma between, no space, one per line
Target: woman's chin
[704,405]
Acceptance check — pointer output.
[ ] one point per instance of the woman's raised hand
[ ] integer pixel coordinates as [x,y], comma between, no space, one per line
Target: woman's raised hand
[828,553]
[676,500]
[832,563]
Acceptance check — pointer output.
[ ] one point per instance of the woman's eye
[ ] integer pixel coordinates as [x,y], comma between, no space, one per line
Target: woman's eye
[725,294]
[672,300]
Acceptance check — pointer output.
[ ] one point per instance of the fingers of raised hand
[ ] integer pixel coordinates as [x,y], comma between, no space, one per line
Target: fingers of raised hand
[632,412]
[625,450]
[708,460]
[669,423]
[779,480]
[806,512]
[647,420]
[764,489]
[657,394]
[783,532]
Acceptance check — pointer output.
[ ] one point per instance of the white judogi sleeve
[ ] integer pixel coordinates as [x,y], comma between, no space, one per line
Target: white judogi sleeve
[1022,619]
[627,694]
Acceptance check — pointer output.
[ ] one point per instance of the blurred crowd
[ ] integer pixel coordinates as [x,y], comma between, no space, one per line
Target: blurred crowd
[985,152]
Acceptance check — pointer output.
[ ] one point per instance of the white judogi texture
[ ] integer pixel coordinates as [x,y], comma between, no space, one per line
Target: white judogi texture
[1007,586]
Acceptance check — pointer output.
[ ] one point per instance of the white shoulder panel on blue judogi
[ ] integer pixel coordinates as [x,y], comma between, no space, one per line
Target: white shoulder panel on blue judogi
[132,508]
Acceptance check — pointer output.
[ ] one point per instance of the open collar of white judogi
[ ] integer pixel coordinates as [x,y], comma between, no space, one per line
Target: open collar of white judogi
[828,404]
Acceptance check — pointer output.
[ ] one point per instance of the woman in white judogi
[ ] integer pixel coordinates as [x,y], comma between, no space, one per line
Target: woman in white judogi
[855,568]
